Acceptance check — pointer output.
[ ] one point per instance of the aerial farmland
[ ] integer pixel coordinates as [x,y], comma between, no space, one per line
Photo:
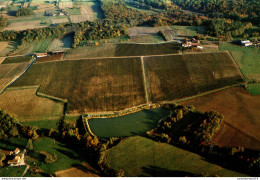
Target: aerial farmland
[109,88]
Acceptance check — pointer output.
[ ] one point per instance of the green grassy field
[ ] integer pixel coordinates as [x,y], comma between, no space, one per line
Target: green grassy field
[43,124]
[17,59]
[139,156]
[12,171]
[90,85]
[254,89]
[13,143]
[43,45]
[67,158]
[129,125]
[179,76]
[248,59]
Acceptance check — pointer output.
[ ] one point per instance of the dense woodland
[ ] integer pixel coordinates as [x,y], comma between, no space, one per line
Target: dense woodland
[242,10]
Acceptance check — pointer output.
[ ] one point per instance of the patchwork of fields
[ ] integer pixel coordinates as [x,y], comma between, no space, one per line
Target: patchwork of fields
[90,85]
[117,83]
[128,125]
[139,156]
[239,108]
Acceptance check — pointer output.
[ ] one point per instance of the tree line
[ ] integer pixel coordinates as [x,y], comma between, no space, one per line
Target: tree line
[246,10]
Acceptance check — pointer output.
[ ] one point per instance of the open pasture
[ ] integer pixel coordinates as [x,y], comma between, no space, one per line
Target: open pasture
[64,43]
[19,26]
[248,59]
[3,45]
[254,89]
[90,85]
[177,76]
[6,47]
[146,49]
[239,108]
[128,125]
[139,156]
[60,20]
[80,18]
[106,50]
[27,106]
[17,59]
[139,31]
[10,72]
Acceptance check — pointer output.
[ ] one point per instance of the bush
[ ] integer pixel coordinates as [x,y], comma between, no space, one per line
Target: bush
[50,158]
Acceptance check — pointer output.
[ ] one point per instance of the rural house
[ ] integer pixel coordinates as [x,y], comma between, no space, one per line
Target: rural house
[15,158]
[40,54]
[246,43]
[191,43]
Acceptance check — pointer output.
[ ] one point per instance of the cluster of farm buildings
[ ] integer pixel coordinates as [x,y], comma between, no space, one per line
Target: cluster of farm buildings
[15,158]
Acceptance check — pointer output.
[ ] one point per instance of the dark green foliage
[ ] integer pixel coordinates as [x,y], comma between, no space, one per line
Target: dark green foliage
[187,126]
[31,35]
[10,127]
[29,144]
[50,158]
[23,11]
[246,10]
[3,21]
[221,27]
[2,157]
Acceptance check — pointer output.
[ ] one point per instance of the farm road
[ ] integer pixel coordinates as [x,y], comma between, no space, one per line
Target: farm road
[145,82]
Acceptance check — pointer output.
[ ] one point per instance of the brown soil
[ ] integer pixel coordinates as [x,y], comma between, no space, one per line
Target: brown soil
[239,108]
[85,170]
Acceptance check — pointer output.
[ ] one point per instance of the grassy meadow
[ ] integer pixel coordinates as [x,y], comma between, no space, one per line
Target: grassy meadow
[179,76]
[129,125]
[139,156]
[17,59]
[67,158]
[254,89]
[248,59]
[90,85]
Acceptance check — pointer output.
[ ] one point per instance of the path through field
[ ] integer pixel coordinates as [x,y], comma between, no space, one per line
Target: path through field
[147,97]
